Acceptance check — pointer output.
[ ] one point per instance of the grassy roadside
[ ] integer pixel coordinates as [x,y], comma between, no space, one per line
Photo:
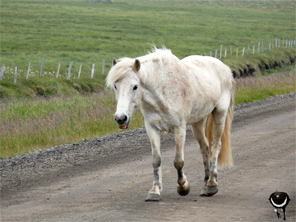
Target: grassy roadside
[261,87]
[29,124]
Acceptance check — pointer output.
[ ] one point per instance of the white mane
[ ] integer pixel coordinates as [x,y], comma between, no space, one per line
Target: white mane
[124,67]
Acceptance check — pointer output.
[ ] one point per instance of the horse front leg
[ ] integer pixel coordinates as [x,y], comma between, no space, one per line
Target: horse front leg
[183,187]
[154,136]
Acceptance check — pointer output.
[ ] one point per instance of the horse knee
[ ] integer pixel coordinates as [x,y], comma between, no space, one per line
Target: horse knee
[216,147]
[178,164]
[156,161]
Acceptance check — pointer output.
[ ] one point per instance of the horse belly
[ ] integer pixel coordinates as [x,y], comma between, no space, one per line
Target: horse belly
[198,113]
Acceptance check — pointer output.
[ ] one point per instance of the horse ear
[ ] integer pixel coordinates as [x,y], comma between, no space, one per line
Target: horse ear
[137,65]
[114,62]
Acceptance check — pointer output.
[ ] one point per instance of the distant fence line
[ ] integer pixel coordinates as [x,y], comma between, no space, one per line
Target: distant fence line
[58,71]
[275,43]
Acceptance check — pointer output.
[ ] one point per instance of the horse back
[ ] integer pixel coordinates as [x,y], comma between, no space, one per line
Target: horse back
[208,65]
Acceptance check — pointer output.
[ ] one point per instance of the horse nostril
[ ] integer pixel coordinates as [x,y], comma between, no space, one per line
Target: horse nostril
[120,120]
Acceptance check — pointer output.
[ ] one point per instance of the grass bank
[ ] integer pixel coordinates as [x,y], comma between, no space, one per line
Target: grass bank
[49,86]
[27,124]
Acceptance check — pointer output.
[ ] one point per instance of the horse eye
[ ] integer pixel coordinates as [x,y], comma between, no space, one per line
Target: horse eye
[135,88]
[115,87]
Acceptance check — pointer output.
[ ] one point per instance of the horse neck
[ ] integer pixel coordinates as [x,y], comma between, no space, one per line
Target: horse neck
[157,66]
[156,78]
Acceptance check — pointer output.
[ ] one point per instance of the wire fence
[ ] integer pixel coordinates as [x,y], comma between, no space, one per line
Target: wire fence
[221,52]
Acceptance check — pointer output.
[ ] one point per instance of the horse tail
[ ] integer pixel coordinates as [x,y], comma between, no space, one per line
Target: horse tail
[225,155]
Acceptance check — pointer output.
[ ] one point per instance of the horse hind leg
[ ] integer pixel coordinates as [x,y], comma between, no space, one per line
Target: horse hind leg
[183,187]
[198,130]
[219,116]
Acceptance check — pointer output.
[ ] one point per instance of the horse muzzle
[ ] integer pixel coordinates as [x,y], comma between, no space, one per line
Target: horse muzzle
[122,121]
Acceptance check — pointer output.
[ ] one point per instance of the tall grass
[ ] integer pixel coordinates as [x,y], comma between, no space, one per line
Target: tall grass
[29,124]
[32,124]
[261,87]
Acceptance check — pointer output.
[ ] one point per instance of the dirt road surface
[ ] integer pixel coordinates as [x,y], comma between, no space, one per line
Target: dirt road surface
[113,187]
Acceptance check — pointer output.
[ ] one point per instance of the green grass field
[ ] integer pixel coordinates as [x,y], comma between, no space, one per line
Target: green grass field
[43,111]
[88,32]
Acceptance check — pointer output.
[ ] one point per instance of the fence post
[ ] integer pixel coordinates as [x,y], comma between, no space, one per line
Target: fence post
[79,71]
[2,71]
[243,52]
[253,49]
[211,53]
[69,71]
[42,65]
[58,69]
[216,52]
[225,51]
[28,70]
[220,51]
[276,44]
[286,43]
[258,47]
[92,71]
[103,68]
[15,75]
[262,46]
[248,49]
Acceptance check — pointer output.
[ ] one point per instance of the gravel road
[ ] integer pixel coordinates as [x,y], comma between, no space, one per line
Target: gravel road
[107,178]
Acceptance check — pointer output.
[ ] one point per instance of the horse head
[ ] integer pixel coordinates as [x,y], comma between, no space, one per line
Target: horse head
[124,79]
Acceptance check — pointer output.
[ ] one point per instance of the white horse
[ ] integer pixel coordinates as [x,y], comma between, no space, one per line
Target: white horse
[173,93]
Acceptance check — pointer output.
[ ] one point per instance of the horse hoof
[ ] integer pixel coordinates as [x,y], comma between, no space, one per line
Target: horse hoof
[203,193]
[212,190]
[152,197]
[183,192]
[209,191]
